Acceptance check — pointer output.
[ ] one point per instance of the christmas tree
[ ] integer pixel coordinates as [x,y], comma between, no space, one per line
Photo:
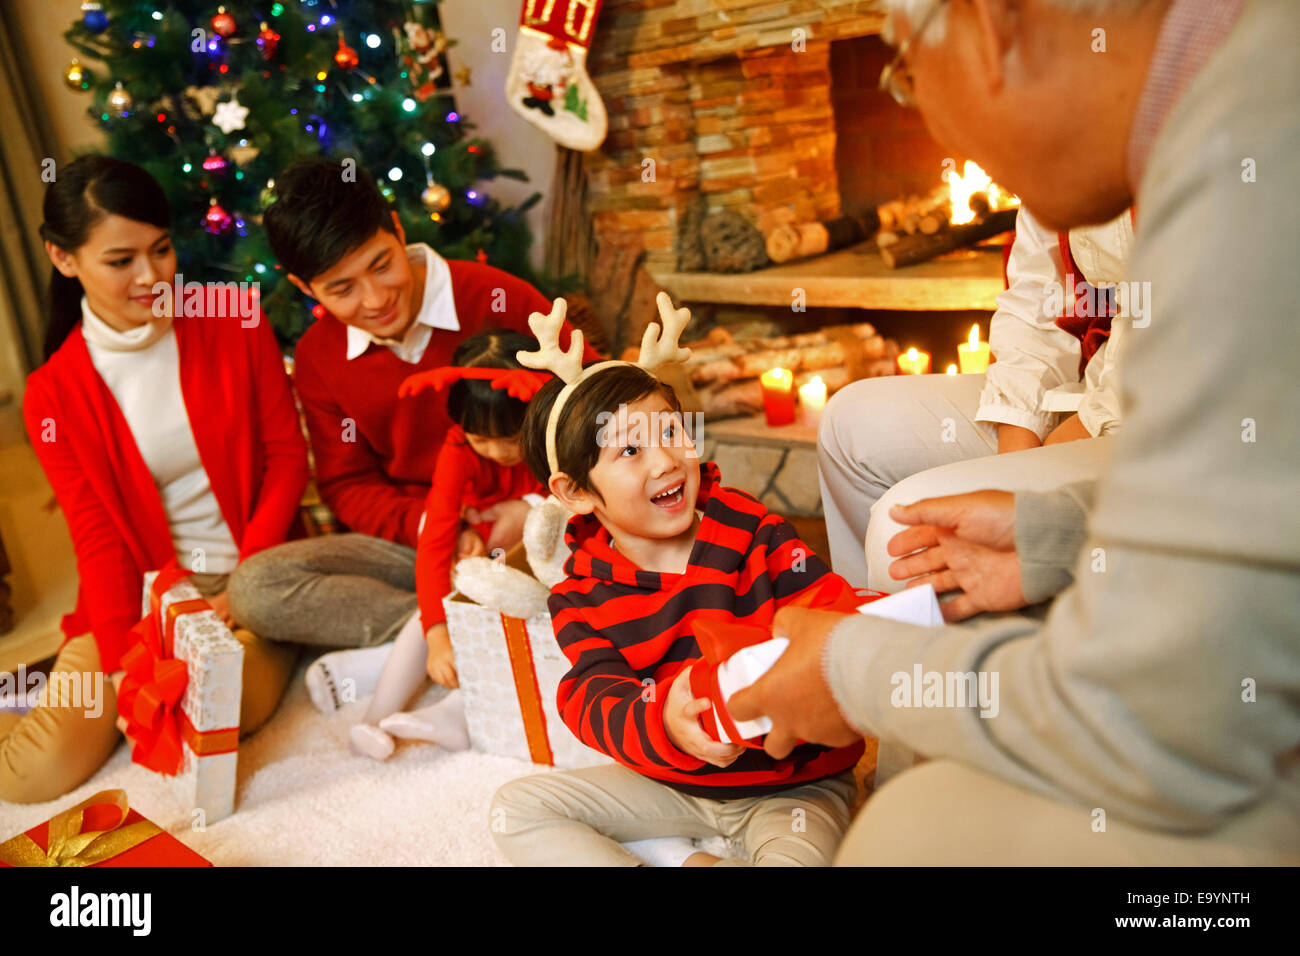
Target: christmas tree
[214,98]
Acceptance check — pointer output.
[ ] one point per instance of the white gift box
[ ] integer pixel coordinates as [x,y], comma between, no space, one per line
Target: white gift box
[214,662]
[509,670]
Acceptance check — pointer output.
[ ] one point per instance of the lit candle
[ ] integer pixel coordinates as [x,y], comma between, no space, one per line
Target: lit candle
[812,397]
[973,355]
[778,396]
[914,362]
[952,369]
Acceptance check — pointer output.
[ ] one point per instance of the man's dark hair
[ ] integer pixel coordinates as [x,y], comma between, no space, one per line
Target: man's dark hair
[319,216]
[577,441]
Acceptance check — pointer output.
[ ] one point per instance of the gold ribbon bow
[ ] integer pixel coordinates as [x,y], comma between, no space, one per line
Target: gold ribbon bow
[68,846]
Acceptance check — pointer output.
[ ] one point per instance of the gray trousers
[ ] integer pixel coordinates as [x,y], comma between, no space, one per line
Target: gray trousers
[899,439]
[336,590]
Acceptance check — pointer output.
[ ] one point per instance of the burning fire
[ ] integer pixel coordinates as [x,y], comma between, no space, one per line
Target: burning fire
[962,187]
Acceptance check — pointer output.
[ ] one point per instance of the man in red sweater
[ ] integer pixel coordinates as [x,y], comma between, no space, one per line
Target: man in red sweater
[387,311]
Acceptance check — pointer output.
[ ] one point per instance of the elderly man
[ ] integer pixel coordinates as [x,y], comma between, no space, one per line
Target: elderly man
[1154,715]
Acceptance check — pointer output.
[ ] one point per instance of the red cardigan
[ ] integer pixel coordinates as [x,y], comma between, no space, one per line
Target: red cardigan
[461,479]
[374,453]
[246,429]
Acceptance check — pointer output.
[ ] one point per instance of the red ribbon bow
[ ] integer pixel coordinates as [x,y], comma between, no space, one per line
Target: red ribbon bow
[518,382]
[155,682]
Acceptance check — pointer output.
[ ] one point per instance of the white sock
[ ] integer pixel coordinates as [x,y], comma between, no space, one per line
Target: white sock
[342,677]
[404,672]
[663,851]
[369,741]
[442,723]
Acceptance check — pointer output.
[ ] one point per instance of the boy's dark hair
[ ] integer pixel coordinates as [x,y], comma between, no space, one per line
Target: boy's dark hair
[474,404]
[318,217]
[577,445]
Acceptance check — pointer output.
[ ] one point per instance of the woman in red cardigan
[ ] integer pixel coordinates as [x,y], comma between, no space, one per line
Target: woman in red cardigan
[164,439]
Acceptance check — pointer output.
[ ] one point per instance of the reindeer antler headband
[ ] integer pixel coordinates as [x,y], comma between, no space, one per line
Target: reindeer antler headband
[657,348]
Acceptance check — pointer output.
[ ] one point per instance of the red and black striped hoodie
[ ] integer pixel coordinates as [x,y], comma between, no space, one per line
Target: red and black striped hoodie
[628,633]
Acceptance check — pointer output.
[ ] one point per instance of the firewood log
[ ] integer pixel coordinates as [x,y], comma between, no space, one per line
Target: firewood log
[921,248]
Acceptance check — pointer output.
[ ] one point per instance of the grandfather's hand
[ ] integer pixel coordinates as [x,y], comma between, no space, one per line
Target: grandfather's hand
[793,692]
[963,543]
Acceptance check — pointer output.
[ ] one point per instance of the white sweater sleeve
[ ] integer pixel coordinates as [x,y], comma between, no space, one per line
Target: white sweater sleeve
[1032,353]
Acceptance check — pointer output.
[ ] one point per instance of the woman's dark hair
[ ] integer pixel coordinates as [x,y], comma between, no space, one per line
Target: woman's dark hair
[474,404]
[577,433]
[87,190]
[323,209]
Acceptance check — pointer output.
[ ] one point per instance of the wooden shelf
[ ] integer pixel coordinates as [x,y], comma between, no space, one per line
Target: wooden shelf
[854,278]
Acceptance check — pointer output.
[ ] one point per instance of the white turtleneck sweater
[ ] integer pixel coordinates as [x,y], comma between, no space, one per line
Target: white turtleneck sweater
[141,367]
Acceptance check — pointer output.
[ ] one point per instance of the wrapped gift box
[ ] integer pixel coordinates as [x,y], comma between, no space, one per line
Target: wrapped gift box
[100,831]
[208,712]
[509,671]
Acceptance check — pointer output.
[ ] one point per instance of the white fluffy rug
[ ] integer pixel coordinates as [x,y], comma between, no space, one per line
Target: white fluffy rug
[305,799]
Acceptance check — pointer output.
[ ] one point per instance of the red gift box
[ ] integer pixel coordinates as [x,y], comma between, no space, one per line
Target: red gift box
[100,831]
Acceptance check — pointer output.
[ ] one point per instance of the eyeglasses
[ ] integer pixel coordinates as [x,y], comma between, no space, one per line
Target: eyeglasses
[896,79]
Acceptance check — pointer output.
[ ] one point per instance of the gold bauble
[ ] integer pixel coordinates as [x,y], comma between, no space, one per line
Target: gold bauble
[435,197]
[119,100]
[76,77]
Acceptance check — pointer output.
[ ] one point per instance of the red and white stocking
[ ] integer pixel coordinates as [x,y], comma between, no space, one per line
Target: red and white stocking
[548,83]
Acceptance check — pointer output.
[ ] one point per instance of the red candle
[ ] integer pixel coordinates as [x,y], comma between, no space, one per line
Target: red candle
[778,396]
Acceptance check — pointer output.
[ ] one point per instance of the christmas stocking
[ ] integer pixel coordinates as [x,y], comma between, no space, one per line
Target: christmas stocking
[548,83]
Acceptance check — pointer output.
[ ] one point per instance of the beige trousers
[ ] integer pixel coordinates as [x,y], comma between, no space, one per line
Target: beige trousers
[579,818]
[53,749]
[942,813]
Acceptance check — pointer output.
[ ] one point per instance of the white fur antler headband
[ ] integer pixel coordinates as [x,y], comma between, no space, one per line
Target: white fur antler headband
[657,348]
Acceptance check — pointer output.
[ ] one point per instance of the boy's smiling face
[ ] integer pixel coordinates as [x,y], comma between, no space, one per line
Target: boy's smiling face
[646,481]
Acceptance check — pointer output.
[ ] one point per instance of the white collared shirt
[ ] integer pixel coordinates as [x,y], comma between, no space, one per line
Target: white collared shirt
[437,311]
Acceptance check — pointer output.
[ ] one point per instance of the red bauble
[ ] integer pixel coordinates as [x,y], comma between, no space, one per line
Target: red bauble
[346,57]
[223,24]
[267,41]
[319,311]
[217,221]
[215,163]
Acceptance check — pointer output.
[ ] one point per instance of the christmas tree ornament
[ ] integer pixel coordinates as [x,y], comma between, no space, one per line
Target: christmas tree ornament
[216,164]
[345,56]
[267,195]
[119,100]
[94,17]
[230,116]
[435,197]
[267,41]
[223,24]
[421,51]
[548,83]
[216,221]
[76,77]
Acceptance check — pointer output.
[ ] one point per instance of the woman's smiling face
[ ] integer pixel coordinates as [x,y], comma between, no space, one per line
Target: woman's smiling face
[118,265]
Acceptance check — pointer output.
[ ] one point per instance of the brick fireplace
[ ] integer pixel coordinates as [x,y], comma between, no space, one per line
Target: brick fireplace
[770,110]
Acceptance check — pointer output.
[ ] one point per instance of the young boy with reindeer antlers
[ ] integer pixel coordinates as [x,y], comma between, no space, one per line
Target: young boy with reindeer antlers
[663,557]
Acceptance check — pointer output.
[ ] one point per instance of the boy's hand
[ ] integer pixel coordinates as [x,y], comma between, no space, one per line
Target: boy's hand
[441,662]
[682,724]
[470,545]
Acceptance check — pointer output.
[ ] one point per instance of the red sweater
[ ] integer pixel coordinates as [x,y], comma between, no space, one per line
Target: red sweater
[374,452]
[241,410]
[461,479]
[620,625]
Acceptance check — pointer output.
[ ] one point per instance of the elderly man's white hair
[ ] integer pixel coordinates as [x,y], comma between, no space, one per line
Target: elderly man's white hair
[915,11]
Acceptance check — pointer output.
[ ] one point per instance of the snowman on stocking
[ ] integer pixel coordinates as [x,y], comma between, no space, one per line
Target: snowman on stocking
[548,83]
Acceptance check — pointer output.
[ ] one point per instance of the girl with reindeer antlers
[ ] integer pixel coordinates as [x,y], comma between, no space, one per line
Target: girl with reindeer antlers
[669,572]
